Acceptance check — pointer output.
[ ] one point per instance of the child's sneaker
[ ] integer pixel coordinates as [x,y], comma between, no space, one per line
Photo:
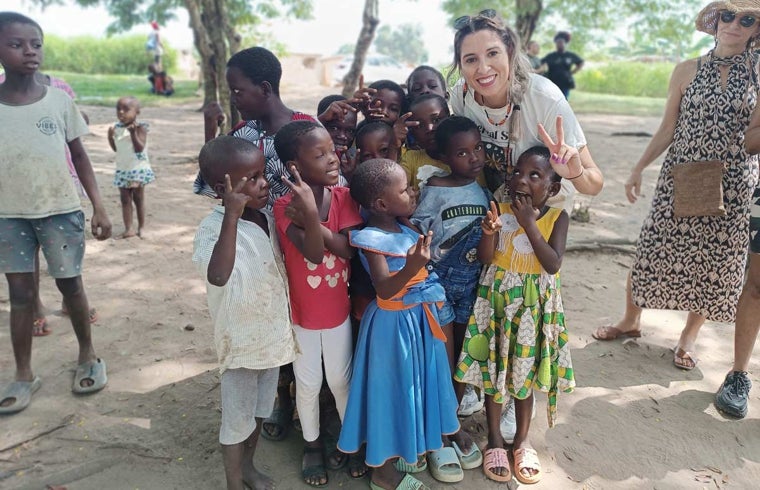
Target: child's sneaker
[733,395]
[508,424]
[471,402]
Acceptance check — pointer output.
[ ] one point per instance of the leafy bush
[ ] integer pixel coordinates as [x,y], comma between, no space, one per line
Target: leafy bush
[121,55]
[626,78]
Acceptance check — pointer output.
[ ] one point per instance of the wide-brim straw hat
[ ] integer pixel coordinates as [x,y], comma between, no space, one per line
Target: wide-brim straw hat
[707,19]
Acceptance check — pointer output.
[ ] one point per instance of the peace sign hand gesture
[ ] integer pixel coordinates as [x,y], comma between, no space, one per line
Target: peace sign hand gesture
[565,159]
[418,255]
[234,199]
[363,95]
[401,128]
[302,202]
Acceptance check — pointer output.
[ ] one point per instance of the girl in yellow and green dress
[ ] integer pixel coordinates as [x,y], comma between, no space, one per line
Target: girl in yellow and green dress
[516,340]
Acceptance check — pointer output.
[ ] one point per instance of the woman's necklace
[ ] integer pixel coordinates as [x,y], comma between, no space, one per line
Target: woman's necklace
[506,116]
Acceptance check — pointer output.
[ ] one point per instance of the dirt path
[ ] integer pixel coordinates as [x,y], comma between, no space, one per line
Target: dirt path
[634,421]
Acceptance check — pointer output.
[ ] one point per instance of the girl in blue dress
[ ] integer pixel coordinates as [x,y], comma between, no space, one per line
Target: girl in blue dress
[401,401]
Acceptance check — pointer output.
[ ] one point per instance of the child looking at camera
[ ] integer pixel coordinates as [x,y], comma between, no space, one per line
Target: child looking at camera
[129,139]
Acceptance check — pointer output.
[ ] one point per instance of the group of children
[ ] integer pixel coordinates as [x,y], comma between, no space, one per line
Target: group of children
[320,224]
[447,284]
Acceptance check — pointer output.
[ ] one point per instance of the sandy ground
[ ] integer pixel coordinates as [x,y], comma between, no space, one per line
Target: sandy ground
[633,422]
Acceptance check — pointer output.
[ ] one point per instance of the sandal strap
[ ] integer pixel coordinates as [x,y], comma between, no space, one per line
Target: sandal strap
[527,458]
[495,458]
[411,483]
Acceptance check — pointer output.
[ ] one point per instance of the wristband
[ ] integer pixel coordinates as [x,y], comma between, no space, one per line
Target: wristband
[583,169]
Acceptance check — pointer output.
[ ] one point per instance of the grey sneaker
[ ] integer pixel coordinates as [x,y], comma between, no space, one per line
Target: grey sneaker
[508,423]
[733,395]
[471,402]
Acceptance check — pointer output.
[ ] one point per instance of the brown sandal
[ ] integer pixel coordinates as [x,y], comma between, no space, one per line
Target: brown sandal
[609,332]
[684,359]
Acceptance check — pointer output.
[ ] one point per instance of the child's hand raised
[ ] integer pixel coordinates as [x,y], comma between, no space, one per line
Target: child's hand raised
[491,223]
[524,211]
[337,110]
[418,255]
[401,128]
[214,114]
[303,198]
[235,200]
[363,94]
[565,159]
[348,162]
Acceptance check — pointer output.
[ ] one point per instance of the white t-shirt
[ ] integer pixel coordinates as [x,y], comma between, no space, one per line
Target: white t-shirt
[251,313]
[542,103]
[35,181]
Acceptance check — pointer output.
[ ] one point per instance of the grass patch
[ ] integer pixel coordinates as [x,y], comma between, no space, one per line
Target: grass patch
[105,90]
[586,102]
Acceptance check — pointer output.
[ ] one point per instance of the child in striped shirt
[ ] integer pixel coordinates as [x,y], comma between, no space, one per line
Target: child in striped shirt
[237,252]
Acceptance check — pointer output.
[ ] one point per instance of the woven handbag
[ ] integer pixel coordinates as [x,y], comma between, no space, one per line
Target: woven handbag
[698,186]
[698,189]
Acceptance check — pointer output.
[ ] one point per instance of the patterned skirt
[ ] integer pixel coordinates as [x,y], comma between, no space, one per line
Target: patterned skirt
[129,179]
[516,339]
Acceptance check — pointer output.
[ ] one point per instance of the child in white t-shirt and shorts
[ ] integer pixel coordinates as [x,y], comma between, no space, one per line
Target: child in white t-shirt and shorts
[237,252]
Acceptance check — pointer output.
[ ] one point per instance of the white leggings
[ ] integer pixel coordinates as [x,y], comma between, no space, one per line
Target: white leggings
[334,346]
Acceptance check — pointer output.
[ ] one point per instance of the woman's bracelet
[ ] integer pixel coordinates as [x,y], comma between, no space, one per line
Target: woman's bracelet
[583,169]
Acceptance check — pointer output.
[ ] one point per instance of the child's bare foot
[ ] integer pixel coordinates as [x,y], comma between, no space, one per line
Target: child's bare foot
[463,440]
[257,480]
[313,469]
[387,476]
[129,233]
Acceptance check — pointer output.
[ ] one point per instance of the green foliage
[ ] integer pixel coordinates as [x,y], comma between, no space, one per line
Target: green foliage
[626,78]
[404,43]
[665,25]
[105,90]
[113,55]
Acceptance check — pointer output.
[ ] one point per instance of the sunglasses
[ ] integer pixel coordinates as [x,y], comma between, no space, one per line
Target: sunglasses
[466,19]
[726,16]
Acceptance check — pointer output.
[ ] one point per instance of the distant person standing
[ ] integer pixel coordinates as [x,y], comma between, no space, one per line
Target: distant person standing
[154,46]
[531,51]
[561,65]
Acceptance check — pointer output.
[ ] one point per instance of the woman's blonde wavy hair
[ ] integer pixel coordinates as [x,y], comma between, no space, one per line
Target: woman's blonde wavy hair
[519,67]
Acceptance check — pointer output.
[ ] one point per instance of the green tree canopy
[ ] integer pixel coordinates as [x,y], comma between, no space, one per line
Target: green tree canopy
[405,43]
[665,26]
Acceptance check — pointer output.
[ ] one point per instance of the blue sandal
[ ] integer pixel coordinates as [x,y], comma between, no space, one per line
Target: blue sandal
[92,370]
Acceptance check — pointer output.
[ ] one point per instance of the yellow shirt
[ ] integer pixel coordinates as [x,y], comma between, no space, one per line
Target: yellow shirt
[514,252]
[413,160]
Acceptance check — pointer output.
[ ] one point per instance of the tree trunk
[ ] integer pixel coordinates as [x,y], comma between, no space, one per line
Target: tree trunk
[370,20]
[201,42]
[528,13]
[214,17]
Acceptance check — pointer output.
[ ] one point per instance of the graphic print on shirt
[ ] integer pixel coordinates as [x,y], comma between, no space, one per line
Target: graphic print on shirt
[314,281]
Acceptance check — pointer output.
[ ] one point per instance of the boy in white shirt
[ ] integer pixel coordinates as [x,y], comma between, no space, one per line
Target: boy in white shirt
[237,253]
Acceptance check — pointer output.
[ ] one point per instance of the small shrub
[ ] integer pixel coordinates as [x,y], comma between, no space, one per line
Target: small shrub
[119,55]
[626,78]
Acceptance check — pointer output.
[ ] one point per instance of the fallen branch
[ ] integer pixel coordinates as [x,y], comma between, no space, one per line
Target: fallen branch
[66,421]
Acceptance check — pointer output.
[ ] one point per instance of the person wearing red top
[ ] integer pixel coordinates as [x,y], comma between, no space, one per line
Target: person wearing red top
[312,224]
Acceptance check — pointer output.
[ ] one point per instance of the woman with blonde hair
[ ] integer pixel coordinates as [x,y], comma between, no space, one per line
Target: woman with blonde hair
[515,109]
[498,91]
[687,259]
